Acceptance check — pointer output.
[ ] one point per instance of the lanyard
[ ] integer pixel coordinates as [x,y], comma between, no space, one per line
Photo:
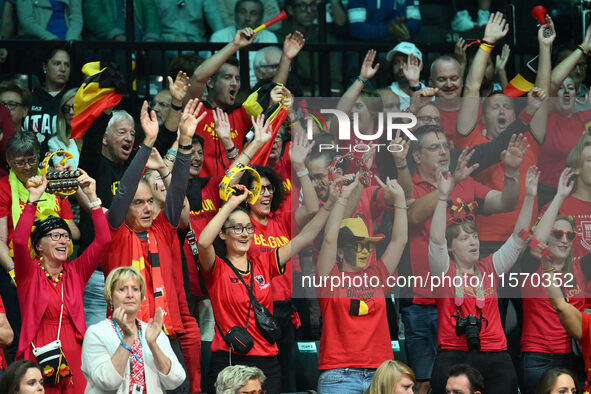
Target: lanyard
[139,334]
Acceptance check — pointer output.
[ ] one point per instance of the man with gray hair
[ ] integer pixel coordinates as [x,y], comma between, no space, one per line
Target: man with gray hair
[237,379]
[266,63]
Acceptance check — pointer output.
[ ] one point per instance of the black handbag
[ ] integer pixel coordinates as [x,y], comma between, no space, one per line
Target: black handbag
[265,321]
[238,338]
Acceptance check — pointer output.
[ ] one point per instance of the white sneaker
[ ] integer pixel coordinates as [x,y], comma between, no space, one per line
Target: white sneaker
[462,22]
[483,16]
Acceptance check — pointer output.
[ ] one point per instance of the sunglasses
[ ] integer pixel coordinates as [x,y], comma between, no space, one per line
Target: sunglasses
[469,218]
[558,234]
[370,246]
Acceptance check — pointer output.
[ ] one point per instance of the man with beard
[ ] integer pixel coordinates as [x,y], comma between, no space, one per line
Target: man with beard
[220,75]
[399,57]
[431,153]
[161,105]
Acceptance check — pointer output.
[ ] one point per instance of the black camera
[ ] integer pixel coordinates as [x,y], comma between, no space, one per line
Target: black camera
[471,326]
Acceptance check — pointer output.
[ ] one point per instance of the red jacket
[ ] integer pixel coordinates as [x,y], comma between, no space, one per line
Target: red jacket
[33,286]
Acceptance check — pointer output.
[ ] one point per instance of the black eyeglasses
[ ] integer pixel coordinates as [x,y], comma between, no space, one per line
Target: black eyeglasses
[11,105]
[23,163]
[240,229]
[267,189]
[460,220]
[58,236]
[558,234]
[437,147]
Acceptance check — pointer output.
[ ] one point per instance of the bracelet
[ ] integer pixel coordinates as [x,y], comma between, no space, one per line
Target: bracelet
[301,174]
[415,88]
[186,147]
[326,209]
[487,47]
[400,207]
[95,204]
[581,48]
[167,175]
[234,156]
[402,166]
[442,199]
[513,178]
[362,80]
[171,152]
[228,150]
[170,158]
[247,155]
[176,107]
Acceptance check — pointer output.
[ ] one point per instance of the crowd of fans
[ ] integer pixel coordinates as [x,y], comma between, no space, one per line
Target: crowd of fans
[172,264]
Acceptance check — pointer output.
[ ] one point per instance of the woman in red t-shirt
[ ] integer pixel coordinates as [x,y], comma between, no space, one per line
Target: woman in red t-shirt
[470,329]
[229,297]
[540,321]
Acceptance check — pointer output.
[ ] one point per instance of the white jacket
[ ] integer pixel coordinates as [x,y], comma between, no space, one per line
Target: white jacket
[101,342]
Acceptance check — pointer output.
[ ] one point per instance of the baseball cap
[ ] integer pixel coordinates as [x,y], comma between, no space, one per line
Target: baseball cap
[408,48]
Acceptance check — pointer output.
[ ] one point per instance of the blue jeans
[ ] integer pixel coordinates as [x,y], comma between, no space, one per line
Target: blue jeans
[534,364]
[95,306]
[420,332]
[345,380]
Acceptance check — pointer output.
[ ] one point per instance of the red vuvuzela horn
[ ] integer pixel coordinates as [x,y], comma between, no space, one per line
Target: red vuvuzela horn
[282,15]
[539,13]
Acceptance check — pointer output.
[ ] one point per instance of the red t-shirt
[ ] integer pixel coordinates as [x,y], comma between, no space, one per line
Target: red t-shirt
[540,320]
[269,237]
[230,300]
[62,209]
[449,121]
[210,203]
[585,342]
[499,226]
[120,255]
[492,336]
[562,134]
[467,190]
[214,154]
[349,340]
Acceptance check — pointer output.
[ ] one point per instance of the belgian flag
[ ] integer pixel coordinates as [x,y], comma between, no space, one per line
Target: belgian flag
[524,81]
[101,90]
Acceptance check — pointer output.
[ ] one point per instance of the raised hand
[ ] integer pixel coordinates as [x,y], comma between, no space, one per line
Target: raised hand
[399,148]
[496,28]
[180,86]
[262,129]
[299,149]
[398,30]
[460,51]
[346,190]
[445,183]
[87,184]
[368,157]
[531,181]
[154,327]
[36,186]
[334,191]
[222,124]
[192,115]
[462,170]
[542,39]
[155,161]
[368,70]
[501,60]
[412,69]
[422,98]
[587,41]
[566,183]
[244,37]
[515,152]
[293,44]
[237,199]
[392,190]
[149,123]
[535,98]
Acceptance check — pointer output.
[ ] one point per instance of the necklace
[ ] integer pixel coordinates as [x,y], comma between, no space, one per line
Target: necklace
[48,275]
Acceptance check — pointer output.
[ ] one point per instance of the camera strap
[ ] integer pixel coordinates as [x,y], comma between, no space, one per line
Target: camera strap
[480,298]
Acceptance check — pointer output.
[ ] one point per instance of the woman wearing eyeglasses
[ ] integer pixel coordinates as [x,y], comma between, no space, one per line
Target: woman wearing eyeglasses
[470,329]
[50,288]
[61,140]
[229,297]
[540,321]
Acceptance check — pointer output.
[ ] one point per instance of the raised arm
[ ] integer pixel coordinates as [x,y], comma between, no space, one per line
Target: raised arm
[395,248]
[565,67]
[438,258]
[292,45]
[565,187]
[178,91]
[540,119]
[214,226]
[213,63]
[496,29]
[193,114]
[298,152]
[501,63]
[507,199]
[507,255]
[570,317]
[132,175]
[399,148]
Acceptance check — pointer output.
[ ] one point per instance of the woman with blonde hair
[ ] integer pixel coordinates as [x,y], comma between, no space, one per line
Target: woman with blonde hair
[61,140]
[392,377]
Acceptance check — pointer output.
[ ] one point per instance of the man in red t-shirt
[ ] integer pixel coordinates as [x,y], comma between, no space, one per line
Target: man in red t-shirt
[432,155]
